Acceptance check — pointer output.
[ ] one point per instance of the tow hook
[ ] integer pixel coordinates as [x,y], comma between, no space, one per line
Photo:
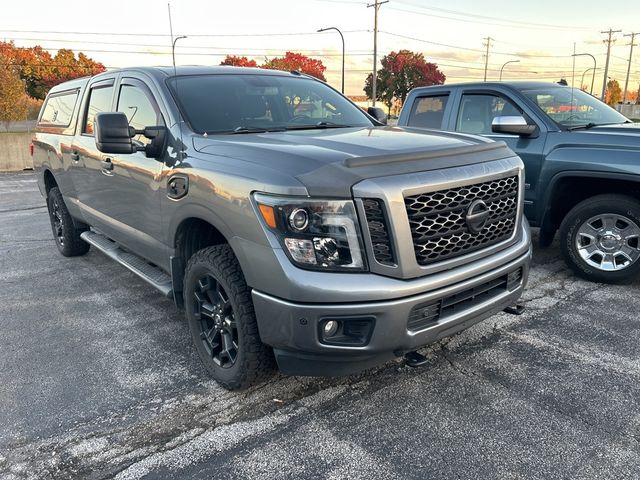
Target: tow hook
[415,359]
[516,309]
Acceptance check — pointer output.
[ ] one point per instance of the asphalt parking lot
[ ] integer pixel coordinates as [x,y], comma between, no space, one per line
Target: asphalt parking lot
[98,379]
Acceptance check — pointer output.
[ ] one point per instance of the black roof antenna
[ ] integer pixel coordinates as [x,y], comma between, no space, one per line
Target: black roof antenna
[175,75]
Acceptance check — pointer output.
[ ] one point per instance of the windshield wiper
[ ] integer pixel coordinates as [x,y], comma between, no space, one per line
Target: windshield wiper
[322,124]
[585,126]
[249,129]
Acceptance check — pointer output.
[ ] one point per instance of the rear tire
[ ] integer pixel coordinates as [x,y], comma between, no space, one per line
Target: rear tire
[222,321]
[65,232]
[600,238]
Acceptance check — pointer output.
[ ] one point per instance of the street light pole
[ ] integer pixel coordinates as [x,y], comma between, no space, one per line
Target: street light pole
[342,37]
[595,67]
[505,64]
[583,74]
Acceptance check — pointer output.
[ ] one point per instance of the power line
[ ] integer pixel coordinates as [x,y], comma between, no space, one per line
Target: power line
[213,35]
[504,22]
[431,42]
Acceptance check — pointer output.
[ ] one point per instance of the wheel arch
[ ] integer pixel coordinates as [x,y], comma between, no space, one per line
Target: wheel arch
[191,234]
[49,181]
[567,189]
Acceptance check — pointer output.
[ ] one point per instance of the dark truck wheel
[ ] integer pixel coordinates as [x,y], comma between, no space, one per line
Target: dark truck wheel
[600,238]
[65,233]
[222,320]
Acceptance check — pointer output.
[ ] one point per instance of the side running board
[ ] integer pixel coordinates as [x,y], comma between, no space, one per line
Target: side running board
[149,273]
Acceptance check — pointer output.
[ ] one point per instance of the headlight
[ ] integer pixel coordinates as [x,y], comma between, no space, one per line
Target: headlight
[317,234]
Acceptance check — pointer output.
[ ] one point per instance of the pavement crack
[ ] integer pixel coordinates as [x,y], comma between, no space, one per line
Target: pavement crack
[25,209]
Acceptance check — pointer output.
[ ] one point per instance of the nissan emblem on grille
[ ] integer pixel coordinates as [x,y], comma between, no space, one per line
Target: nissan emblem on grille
[477,216]
[452,222]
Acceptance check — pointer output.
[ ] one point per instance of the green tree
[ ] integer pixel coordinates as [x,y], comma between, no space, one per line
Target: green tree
[400,73]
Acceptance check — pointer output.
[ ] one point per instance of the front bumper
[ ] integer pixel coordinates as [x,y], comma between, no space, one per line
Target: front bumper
[293,328]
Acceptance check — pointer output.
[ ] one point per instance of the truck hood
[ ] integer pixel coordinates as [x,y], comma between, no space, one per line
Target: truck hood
[329,162]
[624,134]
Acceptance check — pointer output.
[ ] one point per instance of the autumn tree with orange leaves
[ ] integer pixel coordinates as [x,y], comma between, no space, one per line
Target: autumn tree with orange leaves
[400,73]
[613,94]
[41,71]
[299,63]
[14,103]
[238,61]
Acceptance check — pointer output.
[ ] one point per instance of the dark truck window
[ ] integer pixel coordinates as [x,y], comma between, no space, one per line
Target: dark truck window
[428,112]
[477,112]
[58,109]
[99,101]
[140,108]
[226,103]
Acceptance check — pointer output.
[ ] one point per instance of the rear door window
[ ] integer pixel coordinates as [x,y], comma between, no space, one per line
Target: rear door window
[58,109]
[428,112]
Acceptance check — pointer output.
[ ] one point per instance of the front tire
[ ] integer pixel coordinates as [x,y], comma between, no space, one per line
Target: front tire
[222,320]
[600,238]
[65,232]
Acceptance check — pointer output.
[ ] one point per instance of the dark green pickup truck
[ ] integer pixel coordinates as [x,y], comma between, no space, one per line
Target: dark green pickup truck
[582,163]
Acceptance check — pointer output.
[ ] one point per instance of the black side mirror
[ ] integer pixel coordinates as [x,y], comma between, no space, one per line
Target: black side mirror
[113,135]
[378,114]
[513,125]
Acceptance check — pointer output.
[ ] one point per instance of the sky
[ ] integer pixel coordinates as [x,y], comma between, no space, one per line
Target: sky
[537,36]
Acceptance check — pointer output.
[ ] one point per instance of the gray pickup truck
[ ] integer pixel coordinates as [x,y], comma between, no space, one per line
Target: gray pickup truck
[581,162]
[288,223]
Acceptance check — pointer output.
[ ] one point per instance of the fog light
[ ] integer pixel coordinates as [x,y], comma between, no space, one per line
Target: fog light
[330,328]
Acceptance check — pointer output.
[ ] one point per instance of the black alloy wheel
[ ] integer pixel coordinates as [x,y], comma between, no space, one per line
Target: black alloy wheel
[56,221]
[219,330]
[222,319]
[66,231]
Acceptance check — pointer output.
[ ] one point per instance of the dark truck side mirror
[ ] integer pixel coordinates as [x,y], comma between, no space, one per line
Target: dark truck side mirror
[378,114]
[514,125]
[113,135]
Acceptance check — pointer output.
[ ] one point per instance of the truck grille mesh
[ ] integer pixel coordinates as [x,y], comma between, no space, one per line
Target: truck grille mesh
[378,230]
[438,219]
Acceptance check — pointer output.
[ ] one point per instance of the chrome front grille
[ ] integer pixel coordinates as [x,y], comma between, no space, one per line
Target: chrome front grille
[438,220]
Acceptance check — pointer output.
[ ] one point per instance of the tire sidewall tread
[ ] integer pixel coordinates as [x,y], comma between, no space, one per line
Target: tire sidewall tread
[617,204]
[73,245]
[255,360]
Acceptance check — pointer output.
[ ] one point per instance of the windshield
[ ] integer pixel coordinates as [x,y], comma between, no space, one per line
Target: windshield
[570,107]
[247,103]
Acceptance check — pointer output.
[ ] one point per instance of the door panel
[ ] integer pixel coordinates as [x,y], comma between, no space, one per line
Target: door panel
[93,192]
[475,115]
[137,179]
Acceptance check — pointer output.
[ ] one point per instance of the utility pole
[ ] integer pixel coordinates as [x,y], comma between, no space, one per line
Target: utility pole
[626,82]
[487,43]
[609,40]
[374,79]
